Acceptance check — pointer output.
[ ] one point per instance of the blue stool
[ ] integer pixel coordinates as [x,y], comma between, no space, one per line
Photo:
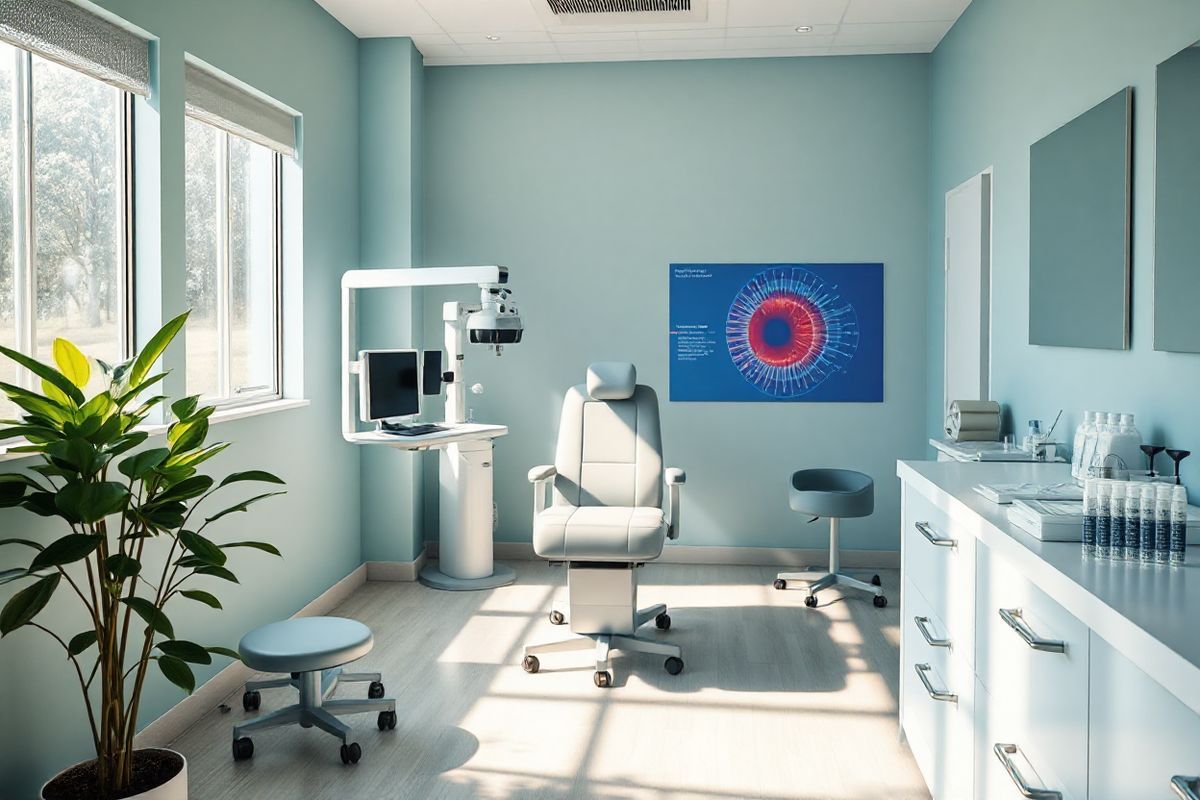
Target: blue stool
[312,651]
[837,494]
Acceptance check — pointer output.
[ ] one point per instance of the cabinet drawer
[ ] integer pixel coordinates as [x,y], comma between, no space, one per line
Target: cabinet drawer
[1022,769]
[939,557]
[1141,734]
[937,690]
[1032,658]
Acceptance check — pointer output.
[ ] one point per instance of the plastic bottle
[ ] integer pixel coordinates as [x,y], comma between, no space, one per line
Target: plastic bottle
[1146,511]
[1162,523]
[1092,448]
[1133,522]
[1079,448]
[1125,446]
[1103,519]
[1116,516]
[1178,545]
[1089,518]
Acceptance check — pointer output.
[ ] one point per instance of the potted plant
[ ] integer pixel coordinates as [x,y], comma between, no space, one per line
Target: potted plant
[112,499]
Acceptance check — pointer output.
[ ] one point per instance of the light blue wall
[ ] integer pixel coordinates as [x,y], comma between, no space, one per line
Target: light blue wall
[294,51]
[588,179]
[1008,73]
[390,99]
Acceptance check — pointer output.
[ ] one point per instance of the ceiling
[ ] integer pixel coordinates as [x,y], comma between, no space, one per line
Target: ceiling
[527,31]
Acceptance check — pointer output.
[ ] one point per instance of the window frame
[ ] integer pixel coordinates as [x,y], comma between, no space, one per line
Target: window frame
[227,396]
[24,202]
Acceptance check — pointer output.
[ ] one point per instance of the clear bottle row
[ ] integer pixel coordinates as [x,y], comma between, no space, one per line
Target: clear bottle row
[1134,521]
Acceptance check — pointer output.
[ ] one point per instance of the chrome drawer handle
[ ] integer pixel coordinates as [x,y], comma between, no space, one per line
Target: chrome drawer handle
[1186,786]
[928,532]
[1014,619]
[923,627]
[935,694]
[1004,752]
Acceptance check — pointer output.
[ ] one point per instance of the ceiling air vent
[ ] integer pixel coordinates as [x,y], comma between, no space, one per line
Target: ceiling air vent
[618,6]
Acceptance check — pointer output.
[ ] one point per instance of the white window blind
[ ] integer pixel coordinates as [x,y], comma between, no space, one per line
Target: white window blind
[75,37]
[219,102]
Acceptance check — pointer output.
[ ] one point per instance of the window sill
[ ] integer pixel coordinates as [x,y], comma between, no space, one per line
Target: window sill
[158,429]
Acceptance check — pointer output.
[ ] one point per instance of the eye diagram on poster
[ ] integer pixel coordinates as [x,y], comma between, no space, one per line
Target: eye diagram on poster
[776,332]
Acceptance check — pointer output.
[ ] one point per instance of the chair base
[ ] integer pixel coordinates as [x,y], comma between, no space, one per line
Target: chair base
[829,580]
[604,643]
[314,709]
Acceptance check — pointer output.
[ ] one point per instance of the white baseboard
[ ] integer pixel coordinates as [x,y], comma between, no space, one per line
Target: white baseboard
[209,695]
[734,556]
[396,570]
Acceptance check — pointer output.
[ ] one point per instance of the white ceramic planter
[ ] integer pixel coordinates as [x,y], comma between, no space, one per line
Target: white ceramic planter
[174,789]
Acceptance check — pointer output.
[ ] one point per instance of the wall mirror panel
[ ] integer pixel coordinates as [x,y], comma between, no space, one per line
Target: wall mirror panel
[1079,229]
[1177,204]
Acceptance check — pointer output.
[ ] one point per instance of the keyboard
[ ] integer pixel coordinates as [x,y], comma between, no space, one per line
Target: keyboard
[415,430]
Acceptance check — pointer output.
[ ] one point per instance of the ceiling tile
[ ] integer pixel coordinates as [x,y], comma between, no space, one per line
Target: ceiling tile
[767,53]
[680,45]
[861,11]
[880,49]
[510,49]
[583,48]
[914,33]
[777,42]
[434,45]
[509,37]
[749,13]
[371,18]
[486,16]
[688,33]
[782,30]
[594,36]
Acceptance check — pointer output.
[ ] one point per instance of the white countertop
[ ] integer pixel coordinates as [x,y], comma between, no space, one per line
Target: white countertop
[455,433]
[1151,614]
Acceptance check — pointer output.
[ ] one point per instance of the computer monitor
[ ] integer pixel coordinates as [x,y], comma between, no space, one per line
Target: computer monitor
[390,384]
[431,372]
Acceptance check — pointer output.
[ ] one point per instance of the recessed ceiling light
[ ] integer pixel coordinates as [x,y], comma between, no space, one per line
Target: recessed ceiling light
[804,29]
[493,37]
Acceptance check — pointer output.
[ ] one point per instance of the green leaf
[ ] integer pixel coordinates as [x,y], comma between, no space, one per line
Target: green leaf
[34,433]
[186,489]
[127,442]
[10,575]
[182,409]
[23,606]
[122,566]
[266,548]
[77,454]
[40,503]
[80,642]
[216,572]
[184,436]
[202,548]
[54,393]
[66,550]
[46,373]
[177,672]
[153,615]
[72,363]
[155,348]
[91,502]
[37,405]
[252,475]
[201,596]
[242,506]
[130,394]
[195,456]
[11,493]
[99,406]
[185,651]
[225,651]
[139,464]
[25,542]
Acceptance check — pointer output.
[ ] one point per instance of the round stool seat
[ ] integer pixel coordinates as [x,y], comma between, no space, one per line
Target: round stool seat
[840,493]
[305,644]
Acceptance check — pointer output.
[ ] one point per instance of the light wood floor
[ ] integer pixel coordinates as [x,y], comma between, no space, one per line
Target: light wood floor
[776,701]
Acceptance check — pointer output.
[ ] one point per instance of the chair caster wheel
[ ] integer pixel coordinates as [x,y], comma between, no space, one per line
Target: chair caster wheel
[375,690]
[351,753]
[531,664]
[603,679]
[811,601]
[387,720]
[251,701]
[880,601]
[243,748]
[557,618]
[780,584]
[663,621]
[875,581]
[674,665]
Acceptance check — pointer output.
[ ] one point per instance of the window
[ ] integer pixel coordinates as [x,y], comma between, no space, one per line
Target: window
[232,231]
[65,199]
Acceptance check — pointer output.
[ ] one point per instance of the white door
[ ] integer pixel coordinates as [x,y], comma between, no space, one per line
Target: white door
[968,263]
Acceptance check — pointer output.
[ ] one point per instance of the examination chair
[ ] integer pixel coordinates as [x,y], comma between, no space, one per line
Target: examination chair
[606,518]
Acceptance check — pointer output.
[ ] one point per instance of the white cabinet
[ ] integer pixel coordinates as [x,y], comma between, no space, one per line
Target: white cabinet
[1140,734]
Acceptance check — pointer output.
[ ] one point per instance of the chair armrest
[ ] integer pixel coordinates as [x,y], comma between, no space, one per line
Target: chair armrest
[675,478]
[543,473]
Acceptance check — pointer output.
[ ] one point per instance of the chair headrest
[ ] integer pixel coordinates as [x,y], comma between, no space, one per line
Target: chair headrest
[611,380]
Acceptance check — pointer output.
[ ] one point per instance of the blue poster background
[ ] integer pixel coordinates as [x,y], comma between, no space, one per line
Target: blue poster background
[700,298]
